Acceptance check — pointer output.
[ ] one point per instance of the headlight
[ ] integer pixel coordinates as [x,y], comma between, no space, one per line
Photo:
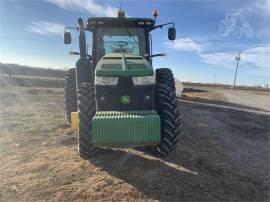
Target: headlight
[143,80]
[104,80]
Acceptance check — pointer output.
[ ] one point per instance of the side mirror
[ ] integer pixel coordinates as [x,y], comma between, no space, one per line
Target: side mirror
[67,38]
[171,33]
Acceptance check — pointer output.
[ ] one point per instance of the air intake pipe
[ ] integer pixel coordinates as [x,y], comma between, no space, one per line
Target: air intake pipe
[84,69]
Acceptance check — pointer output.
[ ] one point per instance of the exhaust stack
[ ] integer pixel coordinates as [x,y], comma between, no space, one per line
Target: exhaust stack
[82,41]
[84,68]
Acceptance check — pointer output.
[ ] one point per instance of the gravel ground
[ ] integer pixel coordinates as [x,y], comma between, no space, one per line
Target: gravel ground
[223,153]
[259,100]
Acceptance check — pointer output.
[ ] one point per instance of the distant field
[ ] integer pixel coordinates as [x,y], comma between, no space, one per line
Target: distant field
[13,69]
[30,81]
[16,75]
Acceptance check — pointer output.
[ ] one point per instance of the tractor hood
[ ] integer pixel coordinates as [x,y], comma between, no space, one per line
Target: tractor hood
[121,64]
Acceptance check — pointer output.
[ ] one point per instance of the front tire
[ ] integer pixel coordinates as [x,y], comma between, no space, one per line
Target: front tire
[167,108]
[86,112]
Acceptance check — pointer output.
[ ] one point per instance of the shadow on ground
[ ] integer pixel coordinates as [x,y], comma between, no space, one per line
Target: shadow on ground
[193,90]
[222,155]
[151,177]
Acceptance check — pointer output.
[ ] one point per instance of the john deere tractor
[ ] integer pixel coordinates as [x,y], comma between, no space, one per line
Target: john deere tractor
[113,96]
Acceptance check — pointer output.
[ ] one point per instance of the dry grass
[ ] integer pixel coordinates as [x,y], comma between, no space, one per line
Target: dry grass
[220,156]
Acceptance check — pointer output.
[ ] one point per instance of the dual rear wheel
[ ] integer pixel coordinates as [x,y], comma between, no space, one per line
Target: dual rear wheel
[168,110]
[70,93]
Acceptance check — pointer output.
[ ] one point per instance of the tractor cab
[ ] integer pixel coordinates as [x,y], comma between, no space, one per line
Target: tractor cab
[120,35]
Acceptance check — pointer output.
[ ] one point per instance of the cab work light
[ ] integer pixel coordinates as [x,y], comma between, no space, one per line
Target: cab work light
[143,80]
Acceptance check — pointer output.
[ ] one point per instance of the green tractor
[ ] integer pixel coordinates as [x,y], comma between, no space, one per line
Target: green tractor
[114,97]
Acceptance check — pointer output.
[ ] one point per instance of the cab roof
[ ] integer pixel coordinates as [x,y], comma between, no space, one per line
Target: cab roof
[94,22]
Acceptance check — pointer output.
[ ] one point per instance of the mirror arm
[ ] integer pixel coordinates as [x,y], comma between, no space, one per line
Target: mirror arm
[90,57]
[156,55]
[66,28]
[77,28]
[161,26]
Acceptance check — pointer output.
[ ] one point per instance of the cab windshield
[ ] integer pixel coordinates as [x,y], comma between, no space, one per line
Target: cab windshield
[120,40]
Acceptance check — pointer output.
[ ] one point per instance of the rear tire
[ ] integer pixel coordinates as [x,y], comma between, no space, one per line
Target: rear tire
[70,93]
[167,108]
[86,112]
[165,76]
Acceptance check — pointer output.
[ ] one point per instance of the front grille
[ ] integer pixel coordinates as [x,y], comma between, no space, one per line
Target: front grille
[109,97]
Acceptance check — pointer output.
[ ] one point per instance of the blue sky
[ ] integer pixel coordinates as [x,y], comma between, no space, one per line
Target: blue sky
[209,34]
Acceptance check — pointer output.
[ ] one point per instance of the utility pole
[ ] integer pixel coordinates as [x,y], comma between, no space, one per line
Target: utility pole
[237,58]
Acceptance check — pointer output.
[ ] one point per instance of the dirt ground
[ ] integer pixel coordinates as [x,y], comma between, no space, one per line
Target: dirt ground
[223,154]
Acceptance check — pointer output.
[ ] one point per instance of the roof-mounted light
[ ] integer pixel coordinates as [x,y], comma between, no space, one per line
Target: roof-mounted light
[148,23]
[155,13]
[141,23]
